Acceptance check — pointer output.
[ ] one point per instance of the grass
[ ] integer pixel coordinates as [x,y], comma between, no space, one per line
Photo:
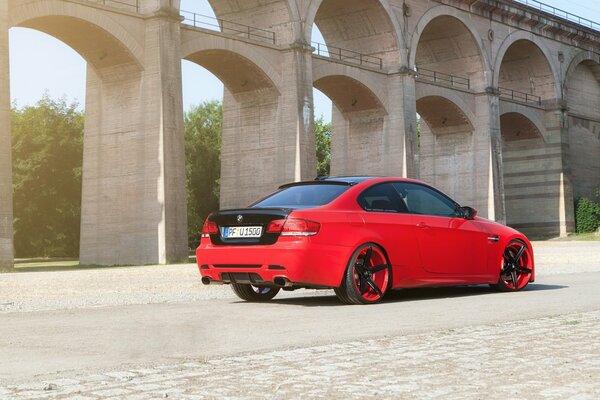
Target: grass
[584,237]
[62,264]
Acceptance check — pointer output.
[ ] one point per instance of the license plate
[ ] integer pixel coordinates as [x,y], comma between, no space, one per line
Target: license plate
[242,232]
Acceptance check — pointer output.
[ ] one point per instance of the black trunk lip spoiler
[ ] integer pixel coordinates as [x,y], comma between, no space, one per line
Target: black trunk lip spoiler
[234,211]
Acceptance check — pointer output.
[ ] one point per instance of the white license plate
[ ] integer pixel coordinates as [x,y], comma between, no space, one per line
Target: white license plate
[242,232]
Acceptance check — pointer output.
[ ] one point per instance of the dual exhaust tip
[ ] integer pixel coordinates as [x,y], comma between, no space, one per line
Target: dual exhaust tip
[279,282]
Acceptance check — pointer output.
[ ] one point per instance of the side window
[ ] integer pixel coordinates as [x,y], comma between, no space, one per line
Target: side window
[382,198]
[422,200]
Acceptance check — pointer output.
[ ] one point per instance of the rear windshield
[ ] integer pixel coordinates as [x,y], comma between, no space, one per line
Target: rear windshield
[302,196]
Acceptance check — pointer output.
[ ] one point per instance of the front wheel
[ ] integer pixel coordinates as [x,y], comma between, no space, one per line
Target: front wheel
[367,276]
[516,267]
[254,293]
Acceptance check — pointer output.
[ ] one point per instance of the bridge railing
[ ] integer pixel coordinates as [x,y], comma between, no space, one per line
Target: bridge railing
[520,96]
[227,27]
[350,56]
[440,77]
[557,12]
[129,5]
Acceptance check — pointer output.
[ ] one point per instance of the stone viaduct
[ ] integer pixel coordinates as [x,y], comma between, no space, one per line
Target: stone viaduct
[509,97]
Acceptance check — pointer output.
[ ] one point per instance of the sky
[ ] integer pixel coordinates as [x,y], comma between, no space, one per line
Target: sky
[56,69]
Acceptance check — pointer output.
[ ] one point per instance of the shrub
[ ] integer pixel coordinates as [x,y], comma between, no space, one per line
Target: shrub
[587,215]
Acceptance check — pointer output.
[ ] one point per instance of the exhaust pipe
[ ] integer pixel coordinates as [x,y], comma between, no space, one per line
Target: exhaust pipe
[208,281]
[282,282]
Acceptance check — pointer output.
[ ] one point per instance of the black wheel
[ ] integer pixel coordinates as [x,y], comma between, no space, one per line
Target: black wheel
[367,276]
[254,293]
[515,267]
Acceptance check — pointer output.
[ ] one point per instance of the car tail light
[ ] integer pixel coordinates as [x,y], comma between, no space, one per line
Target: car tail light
[275,226]
[294,227]
[210,228]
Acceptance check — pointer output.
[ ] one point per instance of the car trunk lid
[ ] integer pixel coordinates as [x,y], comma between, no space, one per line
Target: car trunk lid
[235,224]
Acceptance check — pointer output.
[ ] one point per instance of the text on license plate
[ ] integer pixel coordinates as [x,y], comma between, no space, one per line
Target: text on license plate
[239,232]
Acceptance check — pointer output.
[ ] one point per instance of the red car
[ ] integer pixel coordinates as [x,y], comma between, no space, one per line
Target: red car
[361,236]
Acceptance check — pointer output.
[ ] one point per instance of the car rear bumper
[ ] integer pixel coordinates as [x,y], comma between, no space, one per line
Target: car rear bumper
[299,261]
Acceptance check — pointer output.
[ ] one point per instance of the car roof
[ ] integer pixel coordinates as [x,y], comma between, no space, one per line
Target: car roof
[345,180]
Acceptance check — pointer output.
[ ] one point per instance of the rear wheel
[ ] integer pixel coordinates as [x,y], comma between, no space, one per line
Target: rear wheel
[516,267]
[254,293]
[367,276]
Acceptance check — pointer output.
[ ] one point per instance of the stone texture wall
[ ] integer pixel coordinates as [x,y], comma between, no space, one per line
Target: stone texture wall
[583,103]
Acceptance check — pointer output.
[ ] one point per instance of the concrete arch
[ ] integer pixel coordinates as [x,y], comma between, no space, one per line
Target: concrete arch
[376,87]
[533,116]
[262,14]
[221,7]
[449,96]
[518,126]
[69,22]
[584,56]
[535,40]
[202,49]
[446,11]
[443,115]
[315,5]
[348,94]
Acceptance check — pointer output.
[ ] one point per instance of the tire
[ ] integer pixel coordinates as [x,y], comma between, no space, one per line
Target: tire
[516,266]
[368,285]
[254,294]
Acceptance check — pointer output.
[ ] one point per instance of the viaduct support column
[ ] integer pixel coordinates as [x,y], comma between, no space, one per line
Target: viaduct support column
[134,204]
[6,211]
[557,130]
[487,162]
[403,132]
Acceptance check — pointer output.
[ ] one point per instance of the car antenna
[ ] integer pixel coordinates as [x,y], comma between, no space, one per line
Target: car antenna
[321,177]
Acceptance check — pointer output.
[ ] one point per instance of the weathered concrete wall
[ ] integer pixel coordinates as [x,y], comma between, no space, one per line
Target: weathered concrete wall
[6,211]
[584,124]
[133,149]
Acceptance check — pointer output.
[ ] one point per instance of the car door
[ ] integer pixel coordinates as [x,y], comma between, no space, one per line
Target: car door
[391,226]
[448,243]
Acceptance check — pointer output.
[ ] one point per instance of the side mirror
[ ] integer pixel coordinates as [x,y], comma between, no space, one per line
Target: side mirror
[468,213]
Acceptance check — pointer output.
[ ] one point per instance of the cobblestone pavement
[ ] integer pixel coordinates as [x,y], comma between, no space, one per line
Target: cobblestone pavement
[547,358]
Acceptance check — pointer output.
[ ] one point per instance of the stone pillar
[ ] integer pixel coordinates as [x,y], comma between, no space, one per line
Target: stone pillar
[6,211]
[134,197]
[268,137]
[557,130]
[487,147]
[358,143]
[402,122]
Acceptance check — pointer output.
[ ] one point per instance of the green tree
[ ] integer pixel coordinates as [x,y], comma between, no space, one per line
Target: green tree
[323,144]
[203,128]
[47,164]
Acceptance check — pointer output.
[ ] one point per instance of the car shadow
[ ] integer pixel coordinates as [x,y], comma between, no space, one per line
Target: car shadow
[418,294]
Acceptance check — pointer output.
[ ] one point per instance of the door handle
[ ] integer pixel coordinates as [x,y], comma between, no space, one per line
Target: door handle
[422,225]
[494,239]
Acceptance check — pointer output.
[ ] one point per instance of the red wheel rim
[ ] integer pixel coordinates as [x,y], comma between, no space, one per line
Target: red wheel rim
[371,273]
[516,266]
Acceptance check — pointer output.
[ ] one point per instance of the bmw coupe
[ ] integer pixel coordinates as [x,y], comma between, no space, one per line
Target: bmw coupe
[362,237]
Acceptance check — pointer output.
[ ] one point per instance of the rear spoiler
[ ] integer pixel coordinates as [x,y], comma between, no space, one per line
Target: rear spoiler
[319,182]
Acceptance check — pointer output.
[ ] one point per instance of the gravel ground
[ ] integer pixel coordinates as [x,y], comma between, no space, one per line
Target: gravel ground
[545,358]
[42,291]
